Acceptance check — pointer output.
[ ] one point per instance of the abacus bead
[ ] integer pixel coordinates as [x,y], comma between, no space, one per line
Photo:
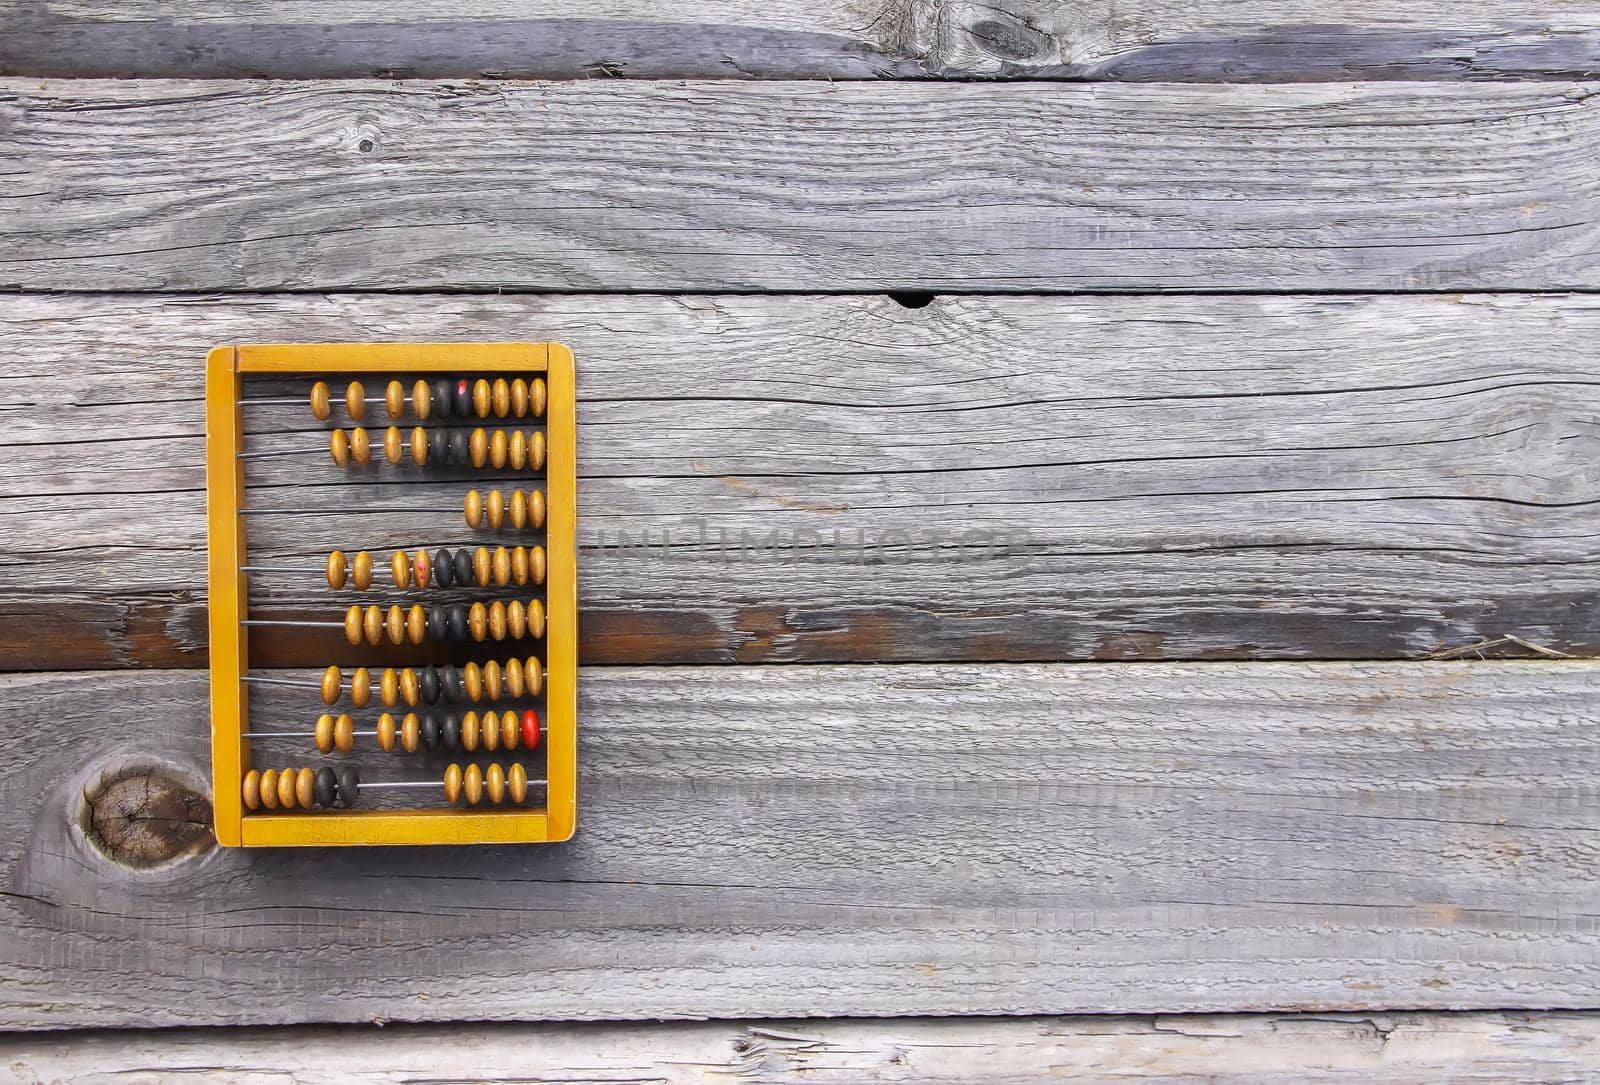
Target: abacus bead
[372,624]
[535,676]
[491,731]
[536,450]
[361,571]
[395,624]
[400,569]
[481,397]
[269,789]
[422,567]
[251,792]
[459,454]
[450,732]
[430,731]
[517,783]
[535,619]
[514,686]
[360,687]
[497,620]
[389,687]
[500,565]
[491,680]
[455,691]
[497,449]
[421,401]
[410,687]
[386,733]
[410,732]
[480,567]
[339,448]
[286,781]
[463,567]
[349,787]
[441,398]
[519,397]
[472,508]
[469,731]
[478,447]
[536,564]
[452,784]
[495,509]
[457,614]
[517,450]
[530,729]
[519,565]
[516,620]
[419,446]
[392,445]
[478,621]
[344,733]
[321,401]
[352,625]
[472,785]
[326,787]
[360,446]
[394,399]
[536,508]
[330,685]
[500,396]
[519,509]
[355,400]
[444,568]
[494,783]
[336,570]
[430,685]
[305,795]
[472,679]
[461,400]
[438,626]
[508,729]
[416,624]
[536,397]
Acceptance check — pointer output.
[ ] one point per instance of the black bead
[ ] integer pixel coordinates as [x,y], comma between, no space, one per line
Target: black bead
[460,455]
[325,788]
[458,621]
[444,568]
[429,681]
[441,398]
[349,787]
[450,732]
[437,627]
[454,691]
[430,732]
[463,563]
[461,406]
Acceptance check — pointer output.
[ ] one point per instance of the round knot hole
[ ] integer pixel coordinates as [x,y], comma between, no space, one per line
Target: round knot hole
[146,816]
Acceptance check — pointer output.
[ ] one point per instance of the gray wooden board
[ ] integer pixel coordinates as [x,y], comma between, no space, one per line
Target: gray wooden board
[751,186]
[1209,41]
[781,841]
[1181,477]
[1237,1049]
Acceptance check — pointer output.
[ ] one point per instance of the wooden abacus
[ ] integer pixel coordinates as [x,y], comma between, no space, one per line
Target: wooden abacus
[500,384]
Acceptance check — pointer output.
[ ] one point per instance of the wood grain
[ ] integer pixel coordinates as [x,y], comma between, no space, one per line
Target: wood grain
[1157,477]
[727,186]
[781,841]
[1209,41]
[1238,1049]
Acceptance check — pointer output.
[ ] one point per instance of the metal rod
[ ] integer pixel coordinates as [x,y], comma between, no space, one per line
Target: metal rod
[299,734]
[266,680]
[283,621]
[274,401]
[257,511]
[270,569]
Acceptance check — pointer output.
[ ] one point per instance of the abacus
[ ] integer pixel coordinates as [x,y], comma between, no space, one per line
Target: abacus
[480,408]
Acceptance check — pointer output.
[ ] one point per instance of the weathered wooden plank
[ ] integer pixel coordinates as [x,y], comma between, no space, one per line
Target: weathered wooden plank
[1180,477]
[727,186]
[1238,1049]
[819,841]
[1209,41]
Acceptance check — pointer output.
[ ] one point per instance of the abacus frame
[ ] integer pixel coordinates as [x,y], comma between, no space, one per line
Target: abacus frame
[226,368]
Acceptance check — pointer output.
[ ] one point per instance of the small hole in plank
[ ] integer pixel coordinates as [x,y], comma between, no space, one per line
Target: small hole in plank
[911,299]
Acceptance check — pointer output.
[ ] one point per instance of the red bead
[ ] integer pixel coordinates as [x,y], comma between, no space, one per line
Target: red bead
[461,388]
[530,729]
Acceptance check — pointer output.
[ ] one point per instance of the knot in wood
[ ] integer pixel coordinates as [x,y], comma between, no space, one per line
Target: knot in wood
[1010,38]
[145,817]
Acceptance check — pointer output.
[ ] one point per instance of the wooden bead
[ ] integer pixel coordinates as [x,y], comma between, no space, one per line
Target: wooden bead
[360,446]
[500,396]
[536,564]
[535,619]
[519,397]
[533,672]
[400,569]
[536,450]
[360,687]
[480,566]
[322,734]
[517,450]
[494,783]
[519,509]
[352,625]
[536,509]
[410,687]
[472,785]
[361,571]
[478,447]
[517,783]
[497,620]
[516,620]
[252,790]
[452,784]
[331,679]
[339,447]
[500,565]
[491,732]
[419,446]
[508,729]
[392,445]
[389,687]
[514,683]
[355,400]
[481,397]
[385,731]
[269,789]
[497,448]
[410,732]
[394,399]
[472,680]
[422,568]
[537,396]
[344,733]
[286,780]
[394,624]
[421,401]
[478,621]
[495,509]
[416,624]
[473,508]
[336,570]
[321,401]
[372,624]
[491,680]
[304,788]
[519,565]
[469,731]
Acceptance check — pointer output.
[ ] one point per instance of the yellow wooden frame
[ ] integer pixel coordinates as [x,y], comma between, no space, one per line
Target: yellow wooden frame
[230,753]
